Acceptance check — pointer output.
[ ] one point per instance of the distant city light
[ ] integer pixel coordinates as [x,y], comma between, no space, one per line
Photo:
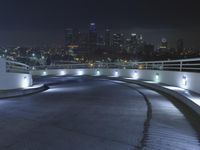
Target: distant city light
[33,54]
[91,65]
[92,24]
[133,34]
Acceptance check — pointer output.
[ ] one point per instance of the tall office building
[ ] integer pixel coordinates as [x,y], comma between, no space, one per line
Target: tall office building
[92,40]
[107,38]
[68,36]
[140,39]
[118,40]
[179,45]
[133,38]
[76,36]
[133,42]
[136,43]
[92,27]
[127,45]
[163,44]
[82,39]
[100,40]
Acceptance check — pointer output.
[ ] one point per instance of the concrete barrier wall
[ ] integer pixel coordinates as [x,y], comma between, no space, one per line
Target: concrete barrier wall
[185,80]
[13,80]
[22,92]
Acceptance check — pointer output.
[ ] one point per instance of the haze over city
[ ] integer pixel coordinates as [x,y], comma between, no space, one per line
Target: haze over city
[38,23]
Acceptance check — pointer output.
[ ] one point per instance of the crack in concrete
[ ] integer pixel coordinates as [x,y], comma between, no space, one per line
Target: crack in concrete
[142,144]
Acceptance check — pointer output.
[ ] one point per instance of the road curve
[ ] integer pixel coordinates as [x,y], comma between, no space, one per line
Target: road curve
[83,113]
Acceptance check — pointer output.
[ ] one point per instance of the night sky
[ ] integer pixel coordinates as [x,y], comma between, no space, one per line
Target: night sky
[38,22]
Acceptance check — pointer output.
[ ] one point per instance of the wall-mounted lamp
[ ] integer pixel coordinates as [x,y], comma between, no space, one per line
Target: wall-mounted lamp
[62,73]
[44,73]
[98,73]
[25,82]
[80,73]
[184,80]
[135,75]
[157,77]
[116,74]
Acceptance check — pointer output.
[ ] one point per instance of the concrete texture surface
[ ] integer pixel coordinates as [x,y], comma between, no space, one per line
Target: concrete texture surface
[83,113]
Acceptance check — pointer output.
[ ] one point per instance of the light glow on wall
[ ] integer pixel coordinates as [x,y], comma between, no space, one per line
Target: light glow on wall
[44,73]
[62,73]
[116,74]
[135,75]
[157,77]
[184,81]
[25,82]
[98,73]
[174,88]
[80,72]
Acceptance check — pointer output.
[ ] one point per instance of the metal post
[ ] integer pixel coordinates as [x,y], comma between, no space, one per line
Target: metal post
[181,65]
[162,67]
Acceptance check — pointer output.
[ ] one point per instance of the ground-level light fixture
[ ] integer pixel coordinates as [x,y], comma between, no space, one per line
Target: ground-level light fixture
[62,73]
[25,82]
[184,80]
[135,75]
[44,73]
[157,77]
[116,74]
[80,72]
[98,73]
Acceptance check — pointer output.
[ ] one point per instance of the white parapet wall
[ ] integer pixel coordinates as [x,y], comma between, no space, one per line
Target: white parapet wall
[14,75]
[186,80]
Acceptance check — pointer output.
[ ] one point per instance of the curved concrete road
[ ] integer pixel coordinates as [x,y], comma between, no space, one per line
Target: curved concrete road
[94,114]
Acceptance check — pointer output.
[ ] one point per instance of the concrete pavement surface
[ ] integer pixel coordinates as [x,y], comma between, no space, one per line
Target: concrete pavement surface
[83,113]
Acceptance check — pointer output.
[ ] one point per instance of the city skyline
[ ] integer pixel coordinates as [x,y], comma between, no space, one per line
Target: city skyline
[56,38]
[106,46]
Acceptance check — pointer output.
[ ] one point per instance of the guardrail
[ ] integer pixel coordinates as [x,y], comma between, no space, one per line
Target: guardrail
[15,67]
[187,65]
